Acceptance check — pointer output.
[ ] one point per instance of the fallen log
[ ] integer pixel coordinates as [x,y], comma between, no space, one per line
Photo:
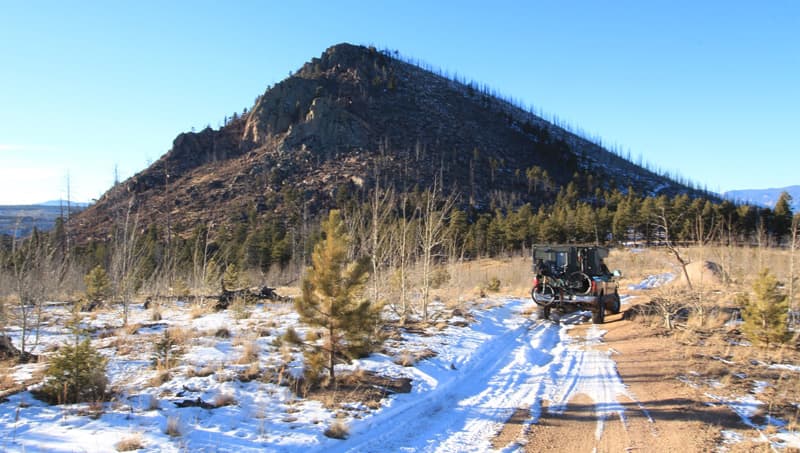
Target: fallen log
[248,294]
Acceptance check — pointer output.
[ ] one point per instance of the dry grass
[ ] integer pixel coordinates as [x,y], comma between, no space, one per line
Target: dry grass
[640,263]
[181,335]
[337,430]
[291,336]
[224,399]
[406,358]
[155,313]
[199,309]
[153,403]
[252,372]
[469,280]
[7,382]
[161,377]
[130,329]
[208,370]
[240,309]
[130,443]
[173,428]
[250,352]
[715,353]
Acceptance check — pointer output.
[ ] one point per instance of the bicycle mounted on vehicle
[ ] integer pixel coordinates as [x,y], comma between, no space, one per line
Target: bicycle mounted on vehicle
[573,277]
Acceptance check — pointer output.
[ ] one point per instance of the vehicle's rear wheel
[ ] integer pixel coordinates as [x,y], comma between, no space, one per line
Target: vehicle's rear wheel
[599,314]
[614,304]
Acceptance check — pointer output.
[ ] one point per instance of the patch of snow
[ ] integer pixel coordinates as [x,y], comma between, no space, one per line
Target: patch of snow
[653,281]
[785,367]
[759,387]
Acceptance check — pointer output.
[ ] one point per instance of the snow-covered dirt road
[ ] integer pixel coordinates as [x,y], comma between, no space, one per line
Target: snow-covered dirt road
[503,363]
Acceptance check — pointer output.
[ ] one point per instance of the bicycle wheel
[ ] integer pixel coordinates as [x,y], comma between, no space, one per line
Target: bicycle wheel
[580,282]
[544,295]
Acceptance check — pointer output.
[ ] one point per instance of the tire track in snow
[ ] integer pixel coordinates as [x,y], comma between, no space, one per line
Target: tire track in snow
[588,373]
[514,366]
[465,407]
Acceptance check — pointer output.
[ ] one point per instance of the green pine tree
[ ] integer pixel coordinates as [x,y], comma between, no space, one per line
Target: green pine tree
[782,216]
[75,374]
[765,315]
[230,279]
[98,285]
[333,299]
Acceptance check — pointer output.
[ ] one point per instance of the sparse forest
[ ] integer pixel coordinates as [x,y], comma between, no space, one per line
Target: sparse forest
[393,229]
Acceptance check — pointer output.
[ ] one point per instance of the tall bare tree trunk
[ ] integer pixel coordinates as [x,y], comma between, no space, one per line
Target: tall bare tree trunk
[433,216]
[125,260]
[663,222]
[795,232]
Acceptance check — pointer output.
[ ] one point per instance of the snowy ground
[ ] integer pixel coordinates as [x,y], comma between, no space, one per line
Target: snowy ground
[481,374]
[459,400]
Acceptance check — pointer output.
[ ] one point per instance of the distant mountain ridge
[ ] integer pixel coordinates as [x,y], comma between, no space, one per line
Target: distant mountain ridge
[765,197]
[81,204]
[20,220]
[346,120]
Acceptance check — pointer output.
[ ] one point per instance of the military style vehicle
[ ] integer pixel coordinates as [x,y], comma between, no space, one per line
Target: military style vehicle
[568,278]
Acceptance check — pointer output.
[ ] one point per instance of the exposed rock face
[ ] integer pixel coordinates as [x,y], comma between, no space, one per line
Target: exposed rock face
[335,121]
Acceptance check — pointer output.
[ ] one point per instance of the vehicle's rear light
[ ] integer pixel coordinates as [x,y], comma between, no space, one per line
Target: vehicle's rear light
[594,286]
[535,282]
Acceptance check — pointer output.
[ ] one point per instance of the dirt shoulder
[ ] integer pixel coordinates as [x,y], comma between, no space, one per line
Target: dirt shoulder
[661,413]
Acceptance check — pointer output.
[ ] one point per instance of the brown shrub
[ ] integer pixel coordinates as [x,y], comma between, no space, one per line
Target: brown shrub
[173,428]
[180,335]
[130,443]
[250,352]
[337,430]
[224,399]
[160,378]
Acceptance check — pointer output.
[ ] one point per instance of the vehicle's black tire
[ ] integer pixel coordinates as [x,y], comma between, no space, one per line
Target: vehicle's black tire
[614,306]
[543,313]
[599,313]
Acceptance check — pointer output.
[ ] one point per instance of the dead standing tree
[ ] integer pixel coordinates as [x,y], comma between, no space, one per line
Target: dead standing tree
[795,238]
[434,212]
[125,260]
[381,204]
[663,222]
[27,269]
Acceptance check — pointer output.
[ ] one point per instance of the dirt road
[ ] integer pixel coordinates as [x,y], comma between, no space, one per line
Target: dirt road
[510,382]
[652,411]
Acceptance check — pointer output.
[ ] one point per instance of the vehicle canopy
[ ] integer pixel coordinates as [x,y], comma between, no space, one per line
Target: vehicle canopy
[566,259]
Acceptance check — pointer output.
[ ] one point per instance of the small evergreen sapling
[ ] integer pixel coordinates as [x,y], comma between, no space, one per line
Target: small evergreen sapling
[333,299]
[230,279]
[98,285]
[76,373]
[765,315]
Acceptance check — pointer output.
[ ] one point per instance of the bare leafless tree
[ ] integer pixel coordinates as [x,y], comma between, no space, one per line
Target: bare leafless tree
[434,209]
[33,272]
[403,246]
[663,222]
[126,256]
[200,258]
[795,235]
[381,205]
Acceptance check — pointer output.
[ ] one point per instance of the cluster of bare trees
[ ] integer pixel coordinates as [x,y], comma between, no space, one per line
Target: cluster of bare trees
[41,268]
[32,271]
[405,236]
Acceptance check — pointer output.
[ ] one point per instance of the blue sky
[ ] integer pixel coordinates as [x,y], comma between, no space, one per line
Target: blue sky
[707,89]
